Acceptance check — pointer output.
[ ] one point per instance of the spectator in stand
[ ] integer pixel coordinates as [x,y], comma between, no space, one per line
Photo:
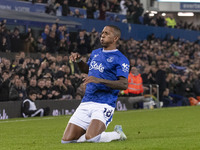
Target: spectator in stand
[90,9]
[40,46]
[70,88]
[60,73]
[15,41]
[102,12]
[153,22]
[4,37]
[171,82]
[146,75]
[51,43]
[62,43]
[6,65]
[22,56]
[32,71]
[160,20]
[17,91]
[4,86]
[133,12]
[95,41]
[32,85]
[59,60]
[170,21]
[123,7]
[159,77]
[44,69]
[4,46]
[45,33]
[52,7]
[114,6]
[52,68]
[77,13]
[49,87]
[82,43]
[62,47]
[15,64]
[65,8]
[136,12]
[59,32]
[140,9]
[146,19]
[196,87]
[42,91]
[12,79]
[70,68]
[183,87]
[28,41]
[59,89]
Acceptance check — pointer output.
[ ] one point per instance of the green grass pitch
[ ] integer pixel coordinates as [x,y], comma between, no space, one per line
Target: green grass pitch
[175,128]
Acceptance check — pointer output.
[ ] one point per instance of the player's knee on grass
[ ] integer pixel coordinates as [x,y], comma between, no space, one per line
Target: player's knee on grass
[88,136]
[70,137]
[65,142]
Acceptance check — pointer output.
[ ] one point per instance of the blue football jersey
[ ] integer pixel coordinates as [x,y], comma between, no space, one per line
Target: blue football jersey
[106,65]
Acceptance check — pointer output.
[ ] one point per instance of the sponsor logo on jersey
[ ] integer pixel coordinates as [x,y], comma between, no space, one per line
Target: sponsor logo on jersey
[95,66]
[125,67]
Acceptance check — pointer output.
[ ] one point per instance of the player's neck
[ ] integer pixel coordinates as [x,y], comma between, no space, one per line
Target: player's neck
[109,48]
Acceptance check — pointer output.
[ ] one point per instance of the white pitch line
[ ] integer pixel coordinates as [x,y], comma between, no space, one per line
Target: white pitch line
[27,120]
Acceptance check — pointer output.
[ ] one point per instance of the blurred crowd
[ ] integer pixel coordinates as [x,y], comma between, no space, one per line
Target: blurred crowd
[53,77]
[167,21]
[53,39]
[171,63]
[132,9]
[50,72]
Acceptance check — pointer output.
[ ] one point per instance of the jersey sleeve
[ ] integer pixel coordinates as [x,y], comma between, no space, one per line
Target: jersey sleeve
[123,67]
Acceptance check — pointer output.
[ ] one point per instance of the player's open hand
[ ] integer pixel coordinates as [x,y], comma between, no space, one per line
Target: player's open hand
[74,56]
[90,79]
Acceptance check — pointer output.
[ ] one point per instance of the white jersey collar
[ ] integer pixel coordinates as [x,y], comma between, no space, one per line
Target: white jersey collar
[107,51]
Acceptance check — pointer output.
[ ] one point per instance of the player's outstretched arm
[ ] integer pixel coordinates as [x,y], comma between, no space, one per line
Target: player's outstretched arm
[76,57]
[121,84]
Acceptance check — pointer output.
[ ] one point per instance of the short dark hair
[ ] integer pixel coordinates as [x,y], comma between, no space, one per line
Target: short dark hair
[116,29]
[31,92]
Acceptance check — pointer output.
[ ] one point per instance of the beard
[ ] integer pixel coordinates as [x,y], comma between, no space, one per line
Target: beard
[104,44]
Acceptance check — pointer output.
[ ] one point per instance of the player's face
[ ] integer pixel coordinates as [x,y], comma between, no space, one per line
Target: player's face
[107,37]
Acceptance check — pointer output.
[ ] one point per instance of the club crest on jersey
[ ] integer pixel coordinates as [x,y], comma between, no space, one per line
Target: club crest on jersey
[96,55]
[110,59]
[95,66]
[125,67]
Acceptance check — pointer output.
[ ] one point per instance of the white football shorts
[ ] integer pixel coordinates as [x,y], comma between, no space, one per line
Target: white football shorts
[87,111]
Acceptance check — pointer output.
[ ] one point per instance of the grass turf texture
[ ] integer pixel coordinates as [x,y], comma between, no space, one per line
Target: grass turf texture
[158,129]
